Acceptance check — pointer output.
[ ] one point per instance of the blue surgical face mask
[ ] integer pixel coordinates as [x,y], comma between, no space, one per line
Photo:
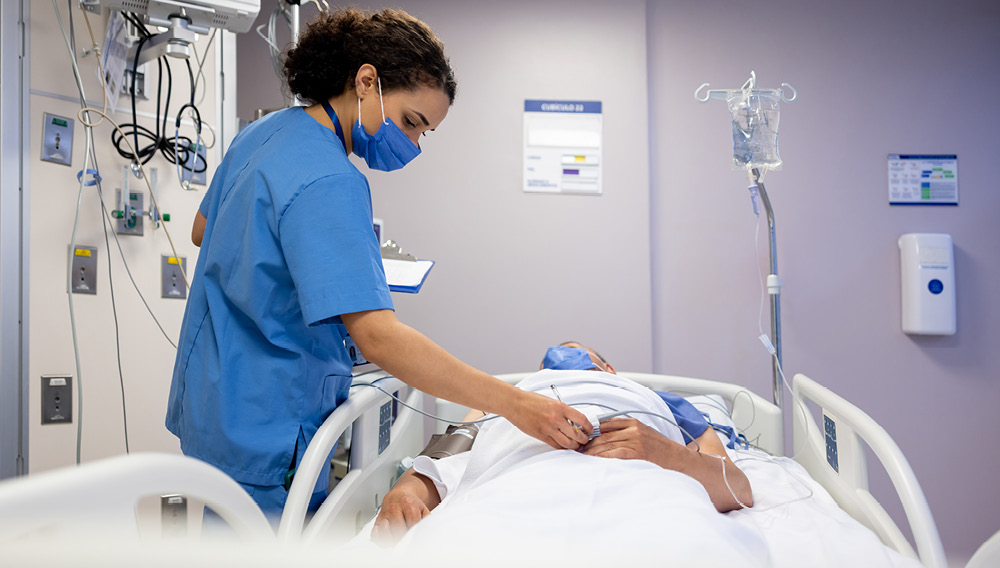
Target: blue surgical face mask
[386,150]
[568,359]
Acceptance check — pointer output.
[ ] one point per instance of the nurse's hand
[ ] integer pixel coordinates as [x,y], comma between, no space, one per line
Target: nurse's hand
[550,421]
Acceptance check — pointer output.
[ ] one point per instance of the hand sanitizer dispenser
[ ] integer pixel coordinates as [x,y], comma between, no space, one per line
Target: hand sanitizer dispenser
[927,266]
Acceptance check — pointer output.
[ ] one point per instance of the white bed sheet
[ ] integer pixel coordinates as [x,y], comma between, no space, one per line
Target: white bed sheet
[513,497]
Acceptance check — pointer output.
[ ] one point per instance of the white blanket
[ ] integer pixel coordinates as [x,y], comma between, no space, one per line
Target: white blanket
[513,498]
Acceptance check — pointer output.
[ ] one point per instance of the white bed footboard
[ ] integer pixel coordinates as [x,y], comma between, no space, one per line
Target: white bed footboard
[835,457]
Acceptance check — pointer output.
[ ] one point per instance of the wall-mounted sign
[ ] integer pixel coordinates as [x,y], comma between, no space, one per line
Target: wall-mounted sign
[562,147]
[923,179]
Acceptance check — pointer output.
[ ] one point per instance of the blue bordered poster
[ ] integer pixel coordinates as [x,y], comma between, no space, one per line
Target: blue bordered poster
[562,147]
[923,179]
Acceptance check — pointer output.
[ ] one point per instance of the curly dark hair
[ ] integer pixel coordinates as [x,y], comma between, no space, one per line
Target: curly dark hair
[404,51]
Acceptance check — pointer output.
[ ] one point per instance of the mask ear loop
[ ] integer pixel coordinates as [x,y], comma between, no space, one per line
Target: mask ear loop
[380,102]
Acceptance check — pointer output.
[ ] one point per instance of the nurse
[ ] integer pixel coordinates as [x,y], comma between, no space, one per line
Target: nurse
[290,265]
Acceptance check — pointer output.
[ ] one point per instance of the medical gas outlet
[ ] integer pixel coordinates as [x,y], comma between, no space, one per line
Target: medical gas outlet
[927,271]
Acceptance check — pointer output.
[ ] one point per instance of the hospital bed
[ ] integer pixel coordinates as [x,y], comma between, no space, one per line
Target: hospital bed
[382,434]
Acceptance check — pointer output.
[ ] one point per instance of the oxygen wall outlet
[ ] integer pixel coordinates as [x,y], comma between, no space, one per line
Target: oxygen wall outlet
[57,399]
[57,139]
[130,216]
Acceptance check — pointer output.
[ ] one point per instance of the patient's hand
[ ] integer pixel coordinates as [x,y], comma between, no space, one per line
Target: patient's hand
[400,511]
[405,505]
[630,439]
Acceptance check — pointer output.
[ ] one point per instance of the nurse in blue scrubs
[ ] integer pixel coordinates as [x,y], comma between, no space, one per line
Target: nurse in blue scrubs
[290,265]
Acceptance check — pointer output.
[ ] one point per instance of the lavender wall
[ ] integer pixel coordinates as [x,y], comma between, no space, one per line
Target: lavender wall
[518,272]
[873,78]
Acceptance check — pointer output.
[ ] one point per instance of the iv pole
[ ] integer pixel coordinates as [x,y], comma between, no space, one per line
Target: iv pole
[773,289]
[773,282]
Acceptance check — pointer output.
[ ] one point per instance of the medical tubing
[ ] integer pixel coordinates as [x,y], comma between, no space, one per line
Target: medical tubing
[201,63]
[72,245]
[145,178]
[418,411]
[111,287]
[725,479]
[604,417]
[768,459]
[100,192]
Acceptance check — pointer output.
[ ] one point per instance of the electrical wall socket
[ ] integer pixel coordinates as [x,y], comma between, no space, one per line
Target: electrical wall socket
[57,399]
[84,279]
[172,285]
[173,515]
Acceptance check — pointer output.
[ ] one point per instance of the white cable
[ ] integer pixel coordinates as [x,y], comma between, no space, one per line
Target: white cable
[201,63]
[726,480]
[72,246]
[127,270]
[768,459]
[417,410]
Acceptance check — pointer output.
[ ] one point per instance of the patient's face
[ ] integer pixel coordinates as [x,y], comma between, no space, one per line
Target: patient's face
[593,356]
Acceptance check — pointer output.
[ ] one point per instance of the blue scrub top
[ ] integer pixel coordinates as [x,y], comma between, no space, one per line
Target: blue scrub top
[288,247]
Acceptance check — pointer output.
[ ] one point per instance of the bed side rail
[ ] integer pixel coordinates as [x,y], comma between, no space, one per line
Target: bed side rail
[374,461]
[765,428]
[834,456]
[98,500]
[758,419]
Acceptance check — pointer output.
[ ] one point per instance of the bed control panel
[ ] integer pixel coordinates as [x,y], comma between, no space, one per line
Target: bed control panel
[384,426]
[831,442]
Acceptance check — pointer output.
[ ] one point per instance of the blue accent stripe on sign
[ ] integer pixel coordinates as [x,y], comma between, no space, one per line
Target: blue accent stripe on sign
[575,107]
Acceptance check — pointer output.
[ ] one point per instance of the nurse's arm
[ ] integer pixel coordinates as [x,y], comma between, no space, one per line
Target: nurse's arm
[198,229]
[416,360]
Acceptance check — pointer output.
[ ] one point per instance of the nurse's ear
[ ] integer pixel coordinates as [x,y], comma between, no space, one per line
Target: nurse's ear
[365,80]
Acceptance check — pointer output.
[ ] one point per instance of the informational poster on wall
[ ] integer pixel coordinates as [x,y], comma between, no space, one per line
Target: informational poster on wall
[923,179]
[562,147]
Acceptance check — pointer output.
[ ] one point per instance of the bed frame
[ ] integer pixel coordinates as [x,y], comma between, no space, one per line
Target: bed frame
[383,433]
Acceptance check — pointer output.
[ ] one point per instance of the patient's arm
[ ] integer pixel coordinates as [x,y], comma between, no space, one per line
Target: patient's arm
[410,500]
[628,438]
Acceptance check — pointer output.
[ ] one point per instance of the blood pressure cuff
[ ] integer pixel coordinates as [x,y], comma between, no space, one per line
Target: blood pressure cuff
[455,440]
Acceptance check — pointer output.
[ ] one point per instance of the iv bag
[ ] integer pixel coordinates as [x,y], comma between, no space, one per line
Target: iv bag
[755,128]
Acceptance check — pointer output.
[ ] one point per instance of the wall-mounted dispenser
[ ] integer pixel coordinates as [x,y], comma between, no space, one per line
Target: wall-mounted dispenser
[927,270]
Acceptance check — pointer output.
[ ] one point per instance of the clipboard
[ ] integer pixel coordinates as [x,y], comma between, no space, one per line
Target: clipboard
[403,272]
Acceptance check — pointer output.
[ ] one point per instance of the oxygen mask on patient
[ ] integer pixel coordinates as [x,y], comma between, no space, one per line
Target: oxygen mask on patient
[562,358]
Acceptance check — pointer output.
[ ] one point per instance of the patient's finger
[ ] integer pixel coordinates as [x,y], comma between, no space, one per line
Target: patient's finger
[412,514]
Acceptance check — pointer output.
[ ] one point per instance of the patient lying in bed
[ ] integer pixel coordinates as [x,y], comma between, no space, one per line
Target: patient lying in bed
[511,496]
[645,437]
